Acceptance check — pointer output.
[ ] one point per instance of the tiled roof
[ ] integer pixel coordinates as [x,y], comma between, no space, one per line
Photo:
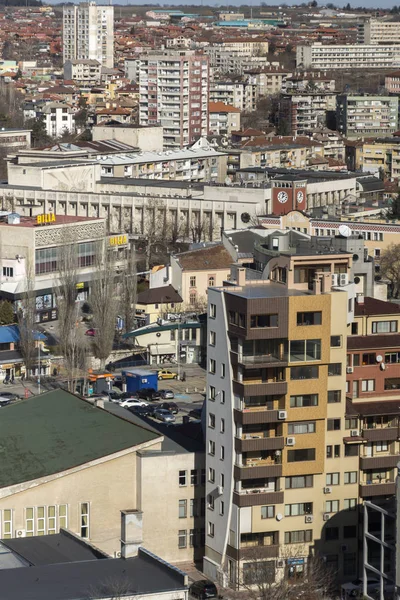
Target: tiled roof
[373,342]
[221,107]
[373,306]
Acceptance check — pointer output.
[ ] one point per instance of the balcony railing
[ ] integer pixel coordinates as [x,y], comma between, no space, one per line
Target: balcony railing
[257,497]
[255,359]
[379,462]
[387,488]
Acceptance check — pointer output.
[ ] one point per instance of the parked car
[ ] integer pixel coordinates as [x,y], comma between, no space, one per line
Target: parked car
[165,374]
[127,395]
[203,589]
[171,406]
[149,394]
[161,414]
[132,402]
[9,396]
[115,397]
[167,394]
[90,332]
[354,589]
[195,413]
[4,402]
[142,411]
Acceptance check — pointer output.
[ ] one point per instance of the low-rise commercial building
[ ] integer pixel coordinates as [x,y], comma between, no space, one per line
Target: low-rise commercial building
[366,115]
[15,138]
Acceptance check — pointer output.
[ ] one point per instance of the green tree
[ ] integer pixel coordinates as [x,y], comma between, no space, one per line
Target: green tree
[39,133]
[6,313]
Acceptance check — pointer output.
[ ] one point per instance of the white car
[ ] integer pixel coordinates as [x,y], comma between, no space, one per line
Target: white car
[354,589]
[133,402]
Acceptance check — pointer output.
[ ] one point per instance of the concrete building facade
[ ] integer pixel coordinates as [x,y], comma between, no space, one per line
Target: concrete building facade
[378,31]
[366,115]
[349,56]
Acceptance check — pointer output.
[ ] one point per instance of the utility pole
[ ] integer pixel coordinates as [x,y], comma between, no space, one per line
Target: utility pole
[39,367]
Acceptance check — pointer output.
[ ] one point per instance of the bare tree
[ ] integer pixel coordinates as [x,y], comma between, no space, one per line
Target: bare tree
[129,291]
[72,343]
[104,303]
[154,226]
[26,316]
[390,267]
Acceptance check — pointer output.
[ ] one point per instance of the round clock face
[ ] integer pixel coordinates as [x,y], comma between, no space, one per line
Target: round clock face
[300,197]
[282,197]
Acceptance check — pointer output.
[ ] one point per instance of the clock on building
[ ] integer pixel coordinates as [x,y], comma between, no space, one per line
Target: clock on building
[282,197]
[300,197]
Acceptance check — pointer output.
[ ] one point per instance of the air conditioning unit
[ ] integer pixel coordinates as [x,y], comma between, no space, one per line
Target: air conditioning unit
[343,279]
[309,519]
[117,554]
[349,370]
[343,548]
[335,279]
[327,490]
[20,533]
[354,433]
[326,516]
[290,441]
[282,414]
[280,563]
[220,490]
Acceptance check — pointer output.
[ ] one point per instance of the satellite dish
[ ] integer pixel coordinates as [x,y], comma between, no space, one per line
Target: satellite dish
[279,517]
[345,231]
[382,366]
[379,358]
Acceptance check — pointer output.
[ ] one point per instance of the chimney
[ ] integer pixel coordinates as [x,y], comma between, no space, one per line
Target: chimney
[131,532]
[360,299]
[241,276]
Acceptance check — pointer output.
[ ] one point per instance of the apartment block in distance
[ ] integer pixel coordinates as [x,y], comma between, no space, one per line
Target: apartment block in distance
[275,418]
[306,112]
[378,31]
[174,93]
[366,115]
[347,56]
[88,33]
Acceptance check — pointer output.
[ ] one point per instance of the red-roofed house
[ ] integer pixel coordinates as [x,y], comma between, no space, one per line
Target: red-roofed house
[223,118]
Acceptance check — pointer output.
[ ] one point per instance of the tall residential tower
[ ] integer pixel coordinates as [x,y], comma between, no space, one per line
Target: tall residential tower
[88,33]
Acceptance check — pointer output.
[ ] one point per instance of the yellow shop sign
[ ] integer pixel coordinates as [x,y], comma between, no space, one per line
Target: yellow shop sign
[118,240]
[46,218]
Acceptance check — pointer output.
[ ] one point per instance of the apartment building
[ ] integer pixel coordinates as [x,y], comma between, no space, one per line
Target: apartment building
[347,56]
[173,90]
[275,420]
[83,72]
[18,139]
[269,80]
[235,58]
[378,31]
[58,118]
[366,115]
[392,82]
[305,112]
[224,118]
[88,33]
[243,96]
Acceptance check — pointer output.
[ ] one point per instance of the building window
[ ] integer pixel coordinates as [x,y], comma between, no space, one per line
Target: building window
[384,326]
[309,318]
[211,475]
[333,424]
[351,423]
[301,427]
[222,453]
[331,534]
[182,478]
[192,281]
[351,450]
[350,504]
[211,448]
[304,401]
[222,396]
[381,447]
[41,521]
[303,373]
[369,359]
[334,369]
[213,311]
[259,321]
[182,541]
[334,396]
[332,478]
[305,350]
[299,481]
[193,507]
[298,537]
[350,477]
[211,529]
[303,454]
[192,298]
[193,538]
[267,512]
[332,506]
[212,338]
[222,369]
[85,525]
[193,477]
[298,509]
[336,341]
[212,366]
[368,385]
[211,281]
[211,421]
[7,524]
[8,272]
[221,508]
[222,426]
[62,516]
[211,395]
[29,522]
[182,509]
[333,451]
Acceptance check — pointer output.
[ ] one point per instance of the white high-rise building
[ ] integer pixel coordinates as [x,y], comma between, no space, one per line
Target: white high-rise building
[88,33]
[174,93]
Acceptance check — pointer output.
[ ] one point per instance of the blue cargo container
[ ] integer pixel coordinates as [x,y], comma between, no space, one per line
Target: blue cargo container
[137,379]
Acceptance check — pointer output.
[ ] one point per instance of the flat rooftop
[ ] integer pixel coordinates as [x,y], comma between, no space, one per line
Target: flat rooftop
[267,290]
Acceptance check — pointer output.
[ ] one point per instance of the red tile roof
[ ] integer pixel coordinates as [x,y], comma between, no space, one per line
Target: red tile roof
[221,107]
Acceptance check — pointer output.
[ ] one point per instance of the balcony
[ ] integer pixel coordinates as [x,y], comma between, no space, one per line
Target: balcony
[380,434]
[255,415]
[253,442]
[257,497]
[377,489]
[258,387]
[258,469]
[279,359]
[379,462]
[255,552]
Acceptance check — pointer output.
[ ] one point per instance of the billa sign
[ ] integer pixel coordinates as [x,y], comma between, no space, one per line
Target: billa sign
[45,219]
[118,240]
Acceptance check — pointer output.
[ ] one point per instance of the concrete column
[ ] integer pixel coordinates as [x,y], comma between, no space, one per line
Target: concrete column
[131,532]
